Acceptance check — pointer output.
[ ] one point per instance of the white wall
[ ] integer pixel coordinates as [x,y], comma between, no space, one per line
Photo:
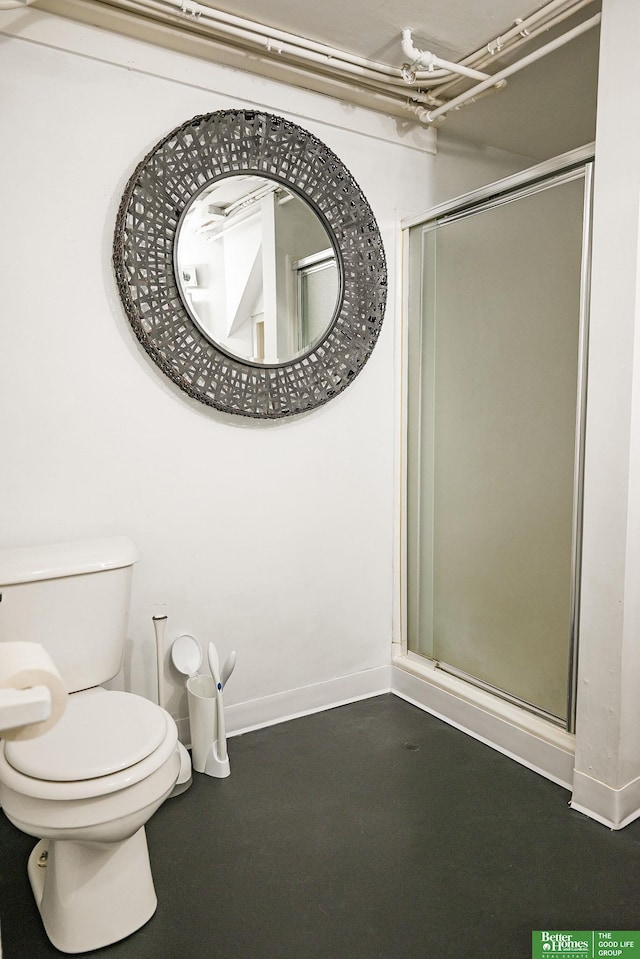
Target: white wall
[273,539]
[607,779]
[462,166]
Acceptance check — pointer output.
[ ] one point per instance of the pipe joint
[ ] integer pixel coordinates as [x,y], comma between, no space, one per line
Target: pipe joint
[433,63]
[274,46]
[407,73]
[423,115]
[428,59]
[191,9]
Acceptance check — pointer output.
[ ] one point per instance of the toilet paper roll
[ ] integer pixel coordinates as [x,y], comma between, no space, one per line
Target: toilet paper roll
[23,665]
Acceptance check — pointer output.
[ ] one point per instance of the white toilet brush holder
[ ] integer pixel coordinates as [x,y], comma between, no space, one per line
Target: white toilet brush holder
[206,718]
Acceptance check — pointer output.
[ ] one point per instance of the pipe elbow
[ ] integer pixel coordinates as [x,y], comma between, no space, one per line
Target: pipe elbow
[409,50]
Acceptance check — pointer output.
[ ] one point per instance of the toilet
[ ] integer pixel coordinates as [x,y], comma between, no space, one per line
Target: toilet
[86,788]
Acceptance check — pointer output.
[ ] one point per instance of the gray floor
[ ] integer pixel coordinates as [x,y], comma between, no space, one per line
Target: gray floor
[372,831]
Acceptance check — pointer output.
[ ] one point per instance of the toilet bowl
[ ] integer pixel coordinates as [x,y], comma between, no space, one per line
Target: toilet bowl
[86,789]
[87,786]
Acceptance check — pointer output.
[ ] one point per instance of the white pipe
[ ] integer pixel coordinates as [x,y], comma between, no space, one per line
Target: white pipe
[333,61]
[523,27]
[199,11]
[326,56]
[379,79]
[431,61]
[280,40]
[510,38]
[374,76]
[428,116]
[330,58]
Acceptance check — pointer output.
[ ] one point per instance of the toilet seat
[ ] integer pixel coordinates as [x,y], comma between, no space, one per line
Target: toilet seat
[99,733]
[42,767]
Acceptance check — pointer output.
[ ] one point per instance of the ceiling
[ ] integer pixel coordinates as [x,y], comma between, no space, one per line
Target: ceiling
[544,109]
[372,28]
[547,109]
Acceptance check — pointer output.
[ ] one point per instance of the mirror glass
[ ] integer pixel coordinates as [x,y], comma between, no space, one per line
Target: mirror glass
[256,269]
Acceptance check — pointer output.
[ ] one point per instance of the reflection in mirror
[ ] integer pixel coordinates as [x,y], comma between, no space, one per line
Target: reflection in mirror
[256,269]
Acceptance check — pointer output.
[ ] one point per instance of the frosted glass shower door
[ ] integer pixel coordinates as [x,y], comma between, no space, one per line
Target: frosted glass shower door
[495,344]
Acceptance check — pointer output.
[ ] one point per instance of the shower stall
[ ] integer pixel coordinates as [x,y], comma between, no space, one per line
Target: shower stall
[495,361]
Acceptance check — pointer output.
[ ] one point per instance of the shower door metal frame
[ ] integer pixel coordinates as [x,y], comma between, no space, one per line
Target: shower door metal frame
[569,166]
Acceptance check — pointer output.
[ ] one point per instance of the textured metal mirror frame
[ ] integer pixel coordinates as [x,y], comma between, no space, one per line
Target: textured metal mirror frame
[204,149]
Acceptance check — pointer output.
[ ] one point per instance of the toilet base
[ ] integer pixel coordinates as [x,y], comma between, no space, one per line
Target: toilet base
[92,894]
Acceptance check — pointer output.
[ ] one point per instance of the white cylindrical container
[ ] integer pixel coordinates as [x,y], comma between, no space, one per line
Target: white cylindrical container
[201,697]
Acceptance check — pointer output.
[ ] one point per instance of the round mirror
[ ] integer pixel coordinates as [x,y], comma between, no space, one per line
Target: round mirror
[250,264]
[256,269]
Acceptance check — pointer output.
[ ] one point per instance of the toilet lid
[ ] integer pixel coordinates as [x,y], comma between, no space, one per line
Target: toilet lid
[101,732]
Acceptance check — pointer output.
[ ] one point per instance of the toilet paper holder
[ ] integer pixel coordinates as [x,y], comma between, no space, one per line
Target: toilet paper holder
[23,707]
[33,697]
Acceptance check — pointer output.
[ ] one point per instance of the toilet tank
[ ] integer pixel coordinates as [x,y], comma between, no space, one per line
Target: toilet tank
[73,599]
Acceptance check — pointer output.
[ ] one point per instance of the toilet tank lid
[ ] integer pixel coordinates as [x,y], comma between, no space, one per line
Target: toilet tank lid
[26,564]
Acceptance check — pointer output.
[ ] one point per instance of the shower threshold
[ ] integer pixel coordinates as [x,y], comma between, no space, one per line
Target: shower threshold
[531,739]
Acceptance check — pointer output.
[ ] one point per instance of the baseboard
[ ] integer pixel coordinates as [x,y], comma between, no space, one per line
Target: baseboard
[614,808]
[529,740]
[281,707]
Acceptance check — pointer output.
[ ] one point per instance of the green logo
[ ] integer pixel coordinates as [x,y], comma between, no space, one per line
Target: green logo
[585,945]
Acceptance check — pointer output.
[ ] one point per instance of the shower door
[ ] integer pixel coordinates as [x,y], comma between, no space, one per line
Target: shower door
[496,348]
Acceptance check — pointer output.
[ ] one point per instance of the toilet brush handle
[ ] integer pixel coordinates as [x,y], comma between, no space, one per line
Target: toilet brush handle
[214,664]
[221,738]
[221,742]
[159,625]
